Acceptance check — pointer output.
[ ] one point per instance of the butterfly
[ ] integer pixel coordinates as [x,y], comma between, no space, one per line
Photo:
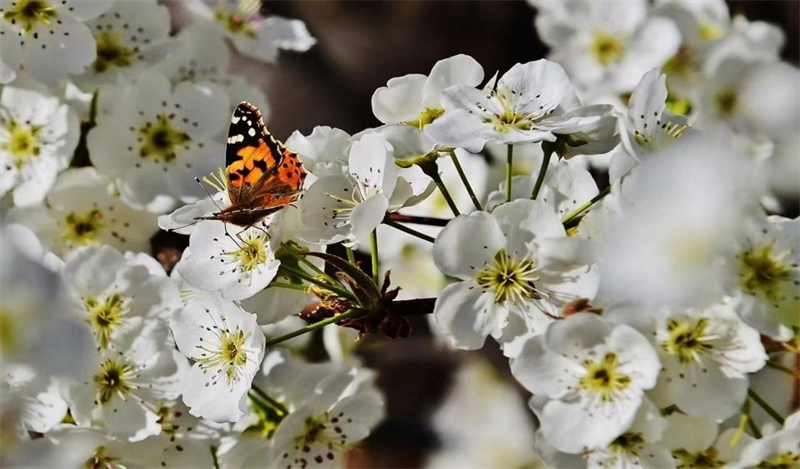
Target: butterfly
[262,174]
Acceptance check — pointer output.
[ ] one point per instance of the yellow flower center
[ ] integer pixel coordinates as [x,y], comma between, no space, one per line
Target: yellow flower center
[325,433]
[787,460]
[606,48]
[251,253]
[111,52]
[710,32]
[229,355]
[21,143]
[707,459]
[160,139]
[603,378]
[105,316]
[426,117]
[30,13]
[82,228]
[510,280]
[727,101]
[235,23]
[509,119]
[114,378]
[762,272]
[687,339]
[683,64]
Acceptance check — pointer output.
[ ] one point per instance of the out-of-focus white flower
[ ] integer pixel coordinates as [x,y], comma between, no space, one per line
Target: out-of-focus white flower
[694,441]
[236,262]
[324,152]
[84,209]
[158,140]
[330,409]
[227,347]
[593,376]
[113,294]
[532,102]
[416,99]
[679,220]
[473,434]
[253,34]
[121,386]
[566,186]
[764,280]
[47,38]
[706,357]
[348,207]
[608,45]
[130,37]
[200,55]
[779,449]
[519,271]
[639,446]
[38,135]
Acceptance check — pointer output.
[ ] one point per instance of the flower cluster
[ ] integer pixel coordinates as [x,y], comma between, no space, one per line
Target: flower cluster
[650,318]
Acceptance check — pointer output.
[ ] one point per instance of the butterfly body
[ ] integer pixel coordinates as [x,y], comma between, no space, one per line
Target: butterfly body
[262,175]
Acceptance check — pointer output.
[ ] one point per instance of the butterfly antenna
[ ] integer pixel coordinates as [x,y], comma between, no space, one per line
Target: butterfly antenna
[208,193]
[196,221]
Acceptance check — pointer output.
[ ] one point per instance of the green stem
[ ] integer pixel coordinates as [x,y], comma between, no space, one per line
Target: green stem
[432,170]
[785,369]
[509,170]
[585,206]
[753,427]
[548,152]
[351,257]
[429,221]
[270,400]
[373,248]
[407,230]
[313,327]
[307,262]
[464,179]
[214,459]
[764,405]
[288,286]
[308,278]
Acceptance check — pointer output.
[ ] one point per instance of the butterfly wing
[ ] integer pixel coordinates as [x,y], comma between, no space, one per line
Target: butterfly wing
[252,156]
[282,186]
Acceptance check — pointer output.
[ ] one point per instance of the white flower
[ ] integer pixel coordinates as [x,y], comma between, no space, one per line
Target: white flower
[605,45]
[324,152]
[764,281]
[648,125]
[517,269]
[593,376]
[330,409]
[236,262]
[121,386]
[694,441]
[474,434]
[779,449]
[113,294]
[706,357]
[46,37]
[227,347]
[531,102]
[350,206]
[129,37]
[416,99]
[83,209]
[639,446]
[38,135]
[157,140]
[253,34]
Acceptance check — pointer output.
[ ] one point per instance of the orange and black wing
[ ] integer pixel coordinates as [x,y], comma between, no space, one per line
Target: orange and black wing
[253,154]
[284,185]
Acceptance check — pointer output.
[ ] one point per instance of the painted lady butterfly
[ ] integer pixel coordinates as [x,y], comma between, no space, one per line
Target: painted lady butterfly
[263,176]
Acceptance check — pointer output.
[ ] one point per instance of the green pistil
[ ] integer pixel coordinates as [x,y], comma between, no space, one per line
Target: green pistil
[426,117]
[687,339]
[707,459]
[113,379]
[82,228]
[22,142]
[111,52]
[105,316]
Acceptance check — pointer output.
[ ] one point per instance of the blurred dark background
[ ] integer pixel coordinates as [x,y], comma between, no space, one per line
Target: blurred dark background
[360,46]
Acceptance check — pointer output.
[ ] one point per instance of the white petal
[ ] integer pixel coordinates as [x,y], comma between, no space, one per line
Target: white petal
[400,100]
[69,49]
[367,216]
[455,70]
[467,244]
[466,315]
